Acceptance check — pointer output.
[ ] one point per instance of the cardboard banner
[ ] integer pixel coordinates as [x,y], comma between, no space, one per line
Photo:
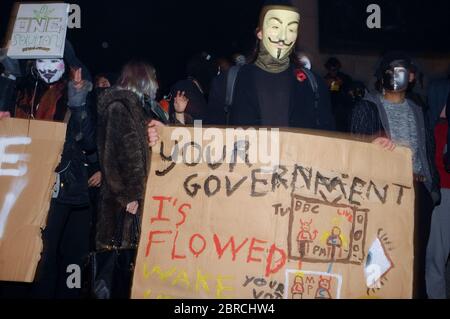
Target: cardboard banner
[29,154]
[333,219]
[39,31]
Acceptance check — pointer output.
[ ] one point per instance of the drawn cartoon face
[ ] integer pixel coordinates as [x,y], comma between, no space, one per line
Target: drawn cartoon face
[336,231]
[298,280]
[306,226]
[325,283]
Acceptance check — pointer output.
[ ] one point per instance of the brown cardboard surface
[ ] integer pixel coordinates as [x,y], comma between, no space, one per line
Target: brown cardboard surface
[335,222]
[27,194]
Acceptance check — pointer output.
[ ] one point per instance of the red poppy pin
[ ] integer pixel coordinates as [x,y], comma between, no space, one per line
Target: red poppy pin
[301,76]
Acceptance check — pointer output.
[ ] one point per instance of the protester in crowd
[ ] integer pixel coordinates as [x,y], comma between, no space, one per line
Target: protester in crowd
[338,85]
[124,158]
[201,70]
[438,250]
[273,90]
[42,92]
[356,91]
[67,234]
[102,81]
[389,119]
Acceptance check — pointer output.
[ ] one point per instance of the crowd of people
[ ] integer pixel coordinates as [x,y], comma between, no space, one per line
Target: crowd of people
[112,120]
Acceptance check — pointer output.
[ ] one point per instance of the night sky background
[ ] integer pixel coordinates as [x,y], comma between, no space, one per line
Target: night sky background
[168,32]
[164,32]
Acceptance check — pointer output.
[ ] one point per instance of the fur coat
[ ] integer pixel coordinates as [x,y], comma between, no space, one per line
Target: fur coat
[124,156]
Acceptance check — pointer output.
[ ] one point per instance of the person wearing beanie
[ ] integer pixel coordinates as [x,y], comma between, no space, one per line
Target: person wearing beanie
[389,119]
[274,89]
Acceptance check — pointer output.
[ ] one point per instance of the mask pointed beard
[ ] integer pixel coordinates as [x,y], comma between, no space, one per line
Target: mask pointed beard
[50,70]
[279,32]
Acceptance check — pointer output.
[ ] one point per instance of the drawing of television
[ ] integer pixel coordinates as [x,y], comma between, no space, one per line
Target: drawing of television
[322,232]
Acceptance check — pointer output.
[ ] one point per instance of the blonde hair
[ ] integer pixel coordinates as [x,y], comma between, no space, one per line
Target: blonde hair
[140,78]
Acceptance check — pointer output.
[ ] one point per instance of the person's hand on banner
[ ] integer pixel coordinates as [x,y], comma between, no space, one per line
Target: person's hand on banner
[133,207]
[153,136]
[385,143]
[4,115]
[78,89]
[95,180]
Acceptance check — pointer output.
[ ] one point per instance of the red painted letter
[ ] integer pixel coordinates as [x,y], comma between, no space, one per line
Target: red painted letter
[253,248]
[150,240]
[280,263]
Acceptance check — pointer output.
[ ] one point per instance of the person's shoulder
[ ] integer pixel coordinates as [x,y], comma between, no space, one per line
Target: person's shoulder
[116,100]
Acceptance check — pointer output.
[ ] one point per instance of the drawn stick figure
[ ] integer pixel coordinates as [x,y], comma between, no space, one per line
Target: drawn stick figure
[298,288]
[334,241]
[304,237]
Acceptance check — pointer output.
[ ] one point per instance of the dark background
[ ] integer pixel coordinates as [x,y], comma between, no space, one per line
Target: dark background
[168,32]
[164,32]
[419,26]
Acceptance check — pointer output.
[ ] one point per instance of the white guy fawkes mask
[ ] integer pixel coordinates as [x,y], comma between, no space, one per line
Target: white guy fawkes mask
[50,70]
[279,32]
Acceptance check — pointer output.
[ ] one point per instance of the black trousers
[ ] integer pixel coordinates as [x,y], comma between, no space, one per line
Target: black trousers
[423,213]
[66,242]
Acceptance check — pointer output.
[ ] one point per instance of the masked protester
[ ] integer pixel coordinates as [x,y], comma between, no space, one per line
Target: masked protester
[390,119]
[45,94]
[274,90]
[67,234]
[438,250]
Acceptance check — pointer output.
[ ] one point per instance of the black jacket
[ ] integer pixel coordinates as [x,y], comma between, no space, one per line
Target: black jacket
[245,110]
[369,121]
[79,159]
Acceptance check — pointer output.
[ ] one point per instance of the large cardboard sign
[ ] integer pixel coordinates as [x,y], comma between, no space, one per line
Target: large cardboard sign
[39,31]
[333,219]
[29,153]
